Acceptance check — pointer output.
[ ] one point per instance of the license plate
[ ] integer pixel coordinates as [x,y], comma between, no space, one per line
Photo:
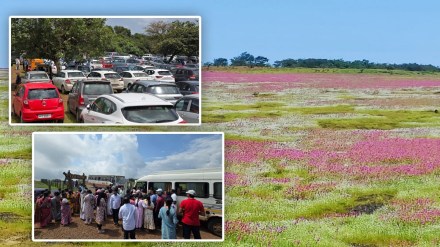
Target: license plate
[44,116]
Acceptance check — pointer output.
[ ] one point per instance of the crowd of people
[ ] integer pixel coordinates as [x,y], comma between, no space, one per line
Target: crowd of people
[139,210]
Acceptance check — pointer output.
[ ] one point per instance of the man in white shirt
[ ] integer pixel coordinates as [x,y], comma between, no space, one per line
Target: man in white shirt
[115,202]
[128,215]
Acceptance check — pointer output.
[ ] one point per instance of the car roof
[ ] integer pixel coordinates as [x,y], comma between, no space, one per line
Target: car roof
[154,83]
[106,71]
[38,85]
[91,81]
[36,72]
[70,70]
[189,82]
[136,99]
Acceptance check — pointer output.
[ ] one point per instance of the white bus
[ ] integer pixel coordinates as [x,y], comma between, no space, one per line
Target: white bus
[207,183]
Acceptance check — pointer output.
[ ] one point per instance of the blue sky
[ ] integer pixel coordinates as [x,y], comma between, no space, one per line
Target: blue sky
[130,155]
[380,31]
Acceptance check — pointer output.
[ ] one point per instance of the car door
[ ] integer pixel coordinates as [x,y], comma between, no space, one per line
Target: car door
[17,102]
[101,112]
[72,102]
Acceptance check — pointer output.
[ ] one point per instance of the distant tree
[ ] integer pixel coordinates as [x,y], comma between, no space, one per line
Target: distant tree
[261,61]
[122,31]
[244,59]
[176,38]
[220,62]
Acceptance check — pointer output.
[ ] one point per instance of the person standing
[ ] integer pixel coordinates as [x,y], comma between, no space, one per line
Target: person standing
[109,206]
[159,204]
[174,196]
[17,63]
[115,202]
[56,206]
[139,204]
[148,214]
[191,209]
[89,200]
[18,79]
[169,220]
[25,65]
[101,211]
[46,204]
[66,215]
[128,215]
[81,203]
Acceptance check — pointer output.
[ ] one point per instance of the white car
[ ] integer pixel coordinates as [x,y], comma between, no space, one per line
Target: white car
[95,64]
[161,75]
[114,78]
[188,108]
[36,76]
[65,80]
[130,77]
[130,108]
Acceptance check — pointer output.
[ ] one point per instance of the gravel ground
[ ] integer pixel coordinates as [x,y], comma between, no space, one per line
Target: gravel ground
[78,230]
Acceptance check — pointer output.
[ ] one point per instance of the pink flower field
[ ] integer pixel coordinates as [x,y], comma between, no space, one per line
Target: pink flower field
[339,160]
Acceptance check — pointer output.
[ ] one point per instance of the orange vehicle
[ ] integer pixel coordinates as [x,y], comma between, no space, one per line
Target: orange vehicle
[33,63]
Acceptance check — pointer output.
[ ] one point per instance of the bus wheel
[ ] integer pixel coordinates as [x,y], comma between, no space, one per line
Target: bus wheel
[215,226]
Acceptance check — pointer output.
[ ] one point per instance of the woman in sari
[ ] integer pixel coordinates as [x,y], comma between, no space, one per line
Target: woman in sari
[46,214]
[139,204]
[148,214]
[89,202]
[66,215]
[101,211]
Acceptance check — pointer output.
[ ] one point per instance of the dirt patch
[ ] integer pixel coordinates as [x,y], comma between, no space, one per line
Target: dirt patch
[369,203]
[10,217]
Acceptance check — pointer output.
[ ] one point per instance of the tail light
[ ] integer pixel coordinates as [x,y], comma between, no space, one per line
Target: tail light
[195,93]
[159,76]
[81,100]
[192,77]
[183,122]
[68,81]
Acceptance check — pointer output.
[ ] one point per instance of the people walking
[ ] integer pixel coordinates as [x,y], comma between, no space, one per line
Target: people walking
[115,202]
[101,211]
[191,209]
[128,215]
[169,220]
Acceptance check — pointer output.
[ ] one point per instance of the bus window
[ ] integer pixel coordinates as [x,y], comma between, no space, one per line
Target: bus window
[202,189]
[218,190]
[165,186]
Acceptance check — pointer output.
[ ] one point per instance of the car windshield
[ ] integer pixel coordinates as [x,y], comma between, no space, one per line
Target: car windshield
[112,76]
[164,72]
[75,74]
[140,74]
[150,114]
[42,93]
[38,76]
[97,89]
[163,89]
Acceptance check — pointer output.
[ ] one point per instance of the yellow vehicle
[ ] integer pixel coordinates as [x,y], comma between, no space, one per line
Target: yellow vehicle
[33,63]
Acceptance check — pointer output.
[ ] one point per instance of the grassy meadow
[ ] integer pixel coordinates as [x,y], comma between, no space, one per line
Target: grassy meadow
[321,157]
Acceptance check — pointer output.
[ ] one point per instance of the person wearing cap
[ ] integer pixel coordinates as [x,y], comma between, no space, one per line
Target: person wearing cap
[191,209]
[159,204]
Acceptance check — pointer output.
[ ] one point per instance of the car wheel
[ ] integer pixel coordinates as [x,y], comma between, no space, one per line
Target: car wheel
[78,116]
[215,226]
[63,90]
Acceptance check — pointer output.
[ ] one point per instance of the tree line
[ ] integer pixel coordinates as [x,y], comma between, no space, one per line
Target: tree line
[79,38]
[246,59]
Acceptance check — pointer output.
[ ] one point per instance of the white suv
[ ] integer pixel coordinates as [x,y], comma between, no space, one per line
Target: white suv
[114,78]
[130,108]
[65,80]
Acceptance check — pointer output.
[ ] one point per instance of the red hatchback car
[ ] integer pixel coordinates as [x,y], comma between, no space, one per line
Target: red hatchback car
[34,102]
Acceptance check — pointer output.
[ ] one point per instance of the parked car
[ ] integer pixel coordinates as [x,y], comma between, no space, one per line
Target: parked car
[186,74]
[119,69]
[115,79]
[130,77]
[66,78]
[94,64]
[165,91]
[85,69]
[130,108]
[34,102]
[85,92]
[161,75]
[36,76]
[188,87]
[188,108]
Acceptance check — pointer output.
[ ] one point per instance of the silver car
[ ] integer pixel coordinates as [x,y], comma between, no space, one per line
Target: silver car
[188,108]
[166,91]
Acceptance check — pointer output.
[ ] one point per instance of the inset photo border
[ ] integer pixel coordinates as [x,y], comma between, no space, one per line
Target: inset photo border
[133,70]
[71,170]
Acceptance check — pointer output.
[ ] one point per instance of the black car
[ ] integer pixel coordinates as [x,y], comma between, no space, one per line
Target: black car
[186,74]
[85,92]
[188,87]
